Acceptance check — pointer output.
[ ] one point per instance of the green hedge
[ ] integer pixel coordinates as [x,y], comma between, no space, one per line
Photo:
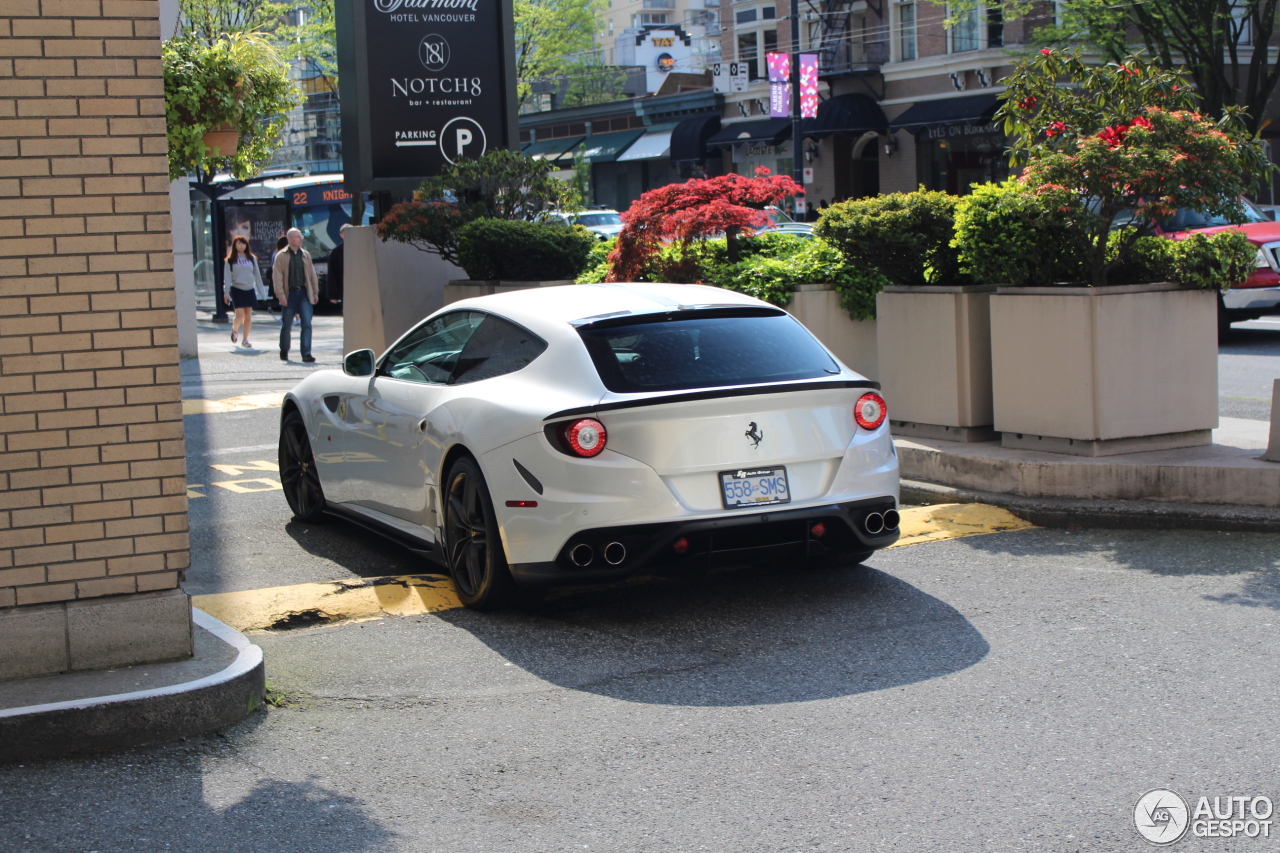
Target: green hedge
[905,236]
[523,251]
[1007,235]
[773,278]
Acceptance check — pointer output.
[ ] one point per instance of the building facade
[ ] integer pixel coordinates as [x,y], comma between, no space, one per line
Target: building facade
[93,506]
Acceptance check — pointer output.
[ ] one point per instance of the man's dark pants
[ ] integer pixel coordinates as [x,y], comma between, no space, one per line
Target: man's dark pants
[298,304]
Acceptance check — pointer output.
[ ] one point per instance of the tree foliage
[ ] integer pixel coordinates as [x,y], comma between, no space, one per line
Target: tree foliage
[1119,138]
[556,39]
[301,31]
[499,185]
[1212,39]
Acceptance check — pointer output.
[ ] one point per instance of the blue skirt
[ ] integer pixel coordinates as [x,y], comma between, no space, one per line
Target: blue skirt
[243,298]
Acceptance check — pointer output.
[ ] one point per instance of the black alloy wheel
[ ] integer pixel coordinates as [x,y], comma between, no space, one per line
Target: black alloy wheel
[472,542]
[298,473]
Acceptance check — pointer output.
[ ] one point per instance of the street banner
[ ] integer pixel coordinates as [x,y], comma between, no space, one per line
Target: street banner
[779,65]
[808,85]
[423,83]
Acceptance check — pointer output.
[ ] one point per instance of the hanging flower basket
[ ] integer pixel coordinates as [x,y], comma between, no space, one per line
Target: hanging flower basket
[222,140]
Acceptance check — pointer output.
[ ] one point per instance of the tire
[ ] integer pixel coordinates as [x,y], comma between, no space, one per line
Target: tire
[473,546]
[298,474]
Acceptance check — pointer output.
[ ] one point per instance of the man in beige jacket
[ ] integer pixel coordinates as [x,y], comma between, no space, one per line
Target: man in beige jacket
[293,277]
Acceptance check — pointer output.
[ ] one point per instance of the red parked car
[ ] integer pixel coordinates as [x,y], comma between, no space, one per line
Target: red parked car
[1260,294]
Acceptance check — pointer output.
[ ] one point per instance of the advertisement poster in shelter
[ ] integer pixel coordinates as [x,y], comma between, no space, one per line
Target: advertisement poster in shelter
[263,222]
[429,82]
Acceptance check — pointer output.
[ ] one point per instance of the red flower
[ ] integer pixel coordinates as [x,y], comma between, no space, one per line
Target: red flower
[1028,103]
[1055,128]
[1046,51]
[1114,135]
[1141,122]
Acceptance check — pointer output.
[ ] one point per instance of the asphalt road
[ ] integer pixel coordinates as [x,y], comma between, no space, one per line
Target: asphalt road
[1010,692]
[1248,364]
[1001,693]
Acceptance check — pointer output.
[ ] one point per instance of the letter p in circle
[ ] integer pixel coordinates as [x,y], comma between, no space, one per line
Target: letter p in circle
[462,137]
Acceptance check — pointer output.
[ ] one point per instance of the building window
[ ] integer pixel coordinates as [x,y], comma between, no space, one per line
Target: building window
[745,16]
[965,35]
[814,37]
[768,13]
[641,19]
[610,26]
[995,27]
[749,52]
[907,32]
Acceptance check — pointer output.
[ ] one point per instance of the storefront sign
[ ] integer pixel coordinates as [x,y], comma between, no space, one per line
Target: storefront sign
[424,83]
[952,131]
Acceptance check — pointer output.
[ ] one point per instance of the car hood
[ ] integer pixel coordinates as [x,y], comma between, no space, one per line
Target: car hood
[1257,232]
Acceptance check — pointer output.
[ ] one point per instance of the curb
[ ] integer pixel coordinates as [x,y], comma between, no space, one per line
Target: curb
[1107,514]
[142,717]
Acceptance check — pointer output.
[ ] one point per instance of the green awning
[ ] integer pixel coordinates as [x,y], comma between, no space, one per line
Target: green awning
[552,149]
[605,147]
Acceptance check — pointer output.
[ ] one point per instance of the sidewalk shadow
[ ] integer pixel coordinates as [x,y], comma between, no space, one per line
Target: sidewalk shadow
[177,797]
[1253,557]
[744,637]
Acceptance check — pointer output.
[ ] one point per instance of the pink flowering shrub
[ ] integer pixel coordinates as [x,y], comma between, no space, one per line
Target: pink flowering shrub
[1122,137]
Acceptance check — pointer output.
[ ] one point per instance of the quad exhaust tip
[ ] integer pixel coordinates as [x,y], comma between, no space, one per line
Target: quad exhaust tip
[873,523]
[615,553]
[582,555]
[891,519]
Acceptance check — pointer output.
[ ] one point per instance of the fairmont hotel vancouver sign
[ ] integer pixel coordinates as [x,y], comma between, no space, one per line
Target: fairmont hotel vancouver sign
[423,83]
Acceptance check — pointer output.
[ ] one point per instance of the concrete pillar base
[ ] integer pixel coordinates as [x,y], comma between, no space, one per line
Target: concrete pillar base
[95,633]
[1106,446]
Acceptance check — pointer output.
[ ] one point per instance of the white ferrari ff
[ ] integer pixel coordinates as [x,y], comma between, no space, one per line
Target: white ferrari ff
[589,432]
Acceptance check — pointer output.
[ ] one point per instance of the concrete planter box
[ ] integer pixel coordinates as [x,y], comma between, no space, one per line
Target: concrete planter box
[935,361]
[1100,371]
[817,307]
[463,288]
[389,287]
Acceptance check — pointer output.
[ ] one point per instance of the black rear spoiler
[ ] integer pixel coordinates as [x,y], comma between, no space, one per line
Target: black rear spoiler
[714,394]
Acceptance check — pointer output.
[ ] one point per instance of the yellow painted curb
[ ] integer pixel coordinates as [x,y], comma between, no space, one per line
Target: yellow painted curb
[955,521]
[359,600]
[323,603]
[243,403]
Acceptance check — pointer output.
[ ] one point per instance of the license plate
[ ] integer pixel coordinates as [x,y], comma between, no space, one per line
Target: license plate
[754,487]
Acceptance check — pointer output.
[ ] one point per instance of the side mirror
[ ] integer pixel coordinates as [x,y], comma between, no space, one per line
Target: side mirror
[358,363]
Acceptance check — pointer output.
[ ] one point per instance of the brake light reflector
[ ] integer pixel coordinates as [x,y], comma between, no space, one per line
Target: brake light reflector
[585,437]
[522,504]
[870,410]
[818,530]
[681,545]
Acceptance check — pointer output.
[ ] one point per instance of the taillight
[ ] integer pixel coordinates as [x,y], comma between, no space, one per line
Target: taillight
[585,437]
[870,410]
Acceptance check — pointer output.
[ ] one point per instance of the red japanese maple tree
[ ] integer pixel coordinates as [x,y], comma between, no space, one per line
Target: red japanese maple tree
[731,205]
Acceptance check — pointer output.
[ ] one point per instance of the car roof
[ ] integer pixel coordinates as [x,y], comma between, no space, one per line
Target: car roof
[551,310]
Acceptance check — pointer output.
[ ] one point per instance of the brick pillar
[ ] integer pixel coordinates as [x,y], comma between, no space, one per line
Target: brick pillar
[93,508]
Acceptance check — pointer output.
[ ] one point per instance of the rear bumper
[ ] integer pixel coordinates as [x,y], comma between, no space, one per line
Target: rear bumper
[725,540]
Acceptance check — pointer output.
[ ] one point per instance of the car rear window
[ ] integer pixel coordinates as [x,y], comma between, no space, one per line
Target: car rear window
[670,352]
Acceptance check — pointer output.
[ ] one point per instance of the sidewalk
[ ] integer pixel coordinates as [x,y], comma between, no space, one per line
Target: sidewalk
[1221,486]
[128,706]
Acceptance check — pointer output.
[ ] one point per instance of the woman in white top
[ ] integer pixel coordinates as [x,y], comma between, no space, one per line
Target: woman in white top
[242,286]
